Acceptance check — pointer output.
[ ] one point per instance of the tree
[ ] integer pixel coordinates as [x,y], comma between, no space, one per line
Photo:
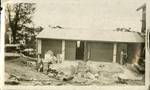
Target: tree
[19,17]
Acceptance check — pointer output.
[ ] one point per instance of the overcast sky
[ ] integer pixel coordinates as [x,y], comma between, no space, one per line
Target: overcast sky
[94,14]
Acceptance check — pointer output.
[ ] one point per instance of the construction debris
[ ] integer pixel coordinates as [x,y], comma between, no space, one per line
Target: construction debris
[72,73]
[11,79]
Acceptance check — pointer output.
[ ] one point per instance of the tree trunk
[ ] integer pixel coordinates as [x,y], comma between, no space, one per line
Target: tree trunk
[14,34]
[14,37]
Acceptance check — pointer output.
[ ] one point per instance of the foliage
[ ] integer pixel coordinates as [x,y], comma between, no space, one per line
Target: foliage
[19,17]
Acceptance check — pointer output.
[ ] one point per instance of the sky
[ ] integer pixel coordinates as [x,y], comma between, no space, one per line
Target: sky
[92,14]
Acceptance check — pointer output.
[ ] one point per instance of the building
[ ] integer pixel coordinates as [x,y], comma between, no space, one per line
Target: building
[84,44]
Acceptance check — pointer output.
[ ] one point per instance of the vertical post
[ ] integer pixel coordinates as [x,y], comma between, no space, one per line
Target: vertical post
[39,42]
[63,49]
[114,52]
[89,52]
[85,50]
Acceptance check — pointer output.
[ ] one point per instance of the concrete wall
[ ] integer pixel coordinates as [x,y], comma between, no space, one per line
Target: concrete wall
[70,50]
[100,51]
[49,44]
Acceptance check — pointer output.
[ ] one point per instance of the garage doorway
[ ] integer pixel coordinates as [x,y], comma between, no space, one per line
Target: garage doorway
[80,50]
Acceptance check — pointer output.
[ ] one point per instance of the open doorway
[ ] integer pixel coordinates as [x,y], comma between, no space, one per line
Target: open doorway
[80,50]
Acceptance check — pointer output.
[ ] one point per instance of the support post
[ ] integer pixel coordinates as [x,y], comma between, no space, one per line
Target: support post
[85,51]
[114,52]
[63,49]
[39,42]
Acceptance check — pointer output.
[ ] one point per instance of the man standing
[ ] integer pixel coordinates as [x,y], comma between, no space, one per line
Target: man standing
[123,57]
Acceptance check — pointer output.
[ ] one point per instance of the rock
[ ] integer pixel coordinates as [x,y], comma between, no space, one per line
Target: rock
[96,75]
[122,81]
[73,70]
[12,76]
[60,76]
[82,67]
[52,71]
[79,80]
[46,83]
[37,83]
[68,78]
[58,83]
[92,68]
[90,76]
[67,71]
[12,81]
[129,75]
[51,75]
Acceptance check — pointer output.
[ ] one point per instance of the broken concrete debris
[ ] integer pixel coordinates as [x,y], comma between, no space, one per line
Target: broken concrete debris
[43,64]
[86,73]
[68,78]
[74,73]
[12,80]
[50,57]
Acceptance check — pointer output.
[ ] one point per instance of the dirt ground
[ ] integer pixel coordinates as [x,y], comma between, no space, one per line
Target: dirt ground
[100,73]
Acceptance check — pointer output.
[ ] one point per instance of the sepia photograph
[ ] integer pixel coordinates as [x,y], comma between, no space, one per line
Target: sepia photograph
[76,43]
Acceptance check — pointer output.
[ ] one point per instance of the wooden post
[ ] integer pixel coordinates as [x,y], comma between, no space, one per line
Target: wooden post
[114,52]
[85,51]
[39,46]
[89,52]
[63,49]
[38,52]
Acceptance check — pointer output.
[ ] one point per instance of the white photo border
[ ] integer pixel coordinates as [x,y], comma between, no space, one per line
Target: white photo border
[124,87]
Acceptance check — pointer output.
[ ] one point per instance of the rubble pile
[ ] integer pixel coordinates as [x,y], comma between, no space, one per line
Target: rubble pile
[88,73]
[50,57]
[71,73]
[91,73]
[84,74]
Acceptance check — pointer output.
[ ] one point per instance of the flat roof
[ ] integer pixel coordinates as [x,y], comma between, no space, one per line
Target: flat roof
[90,35]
